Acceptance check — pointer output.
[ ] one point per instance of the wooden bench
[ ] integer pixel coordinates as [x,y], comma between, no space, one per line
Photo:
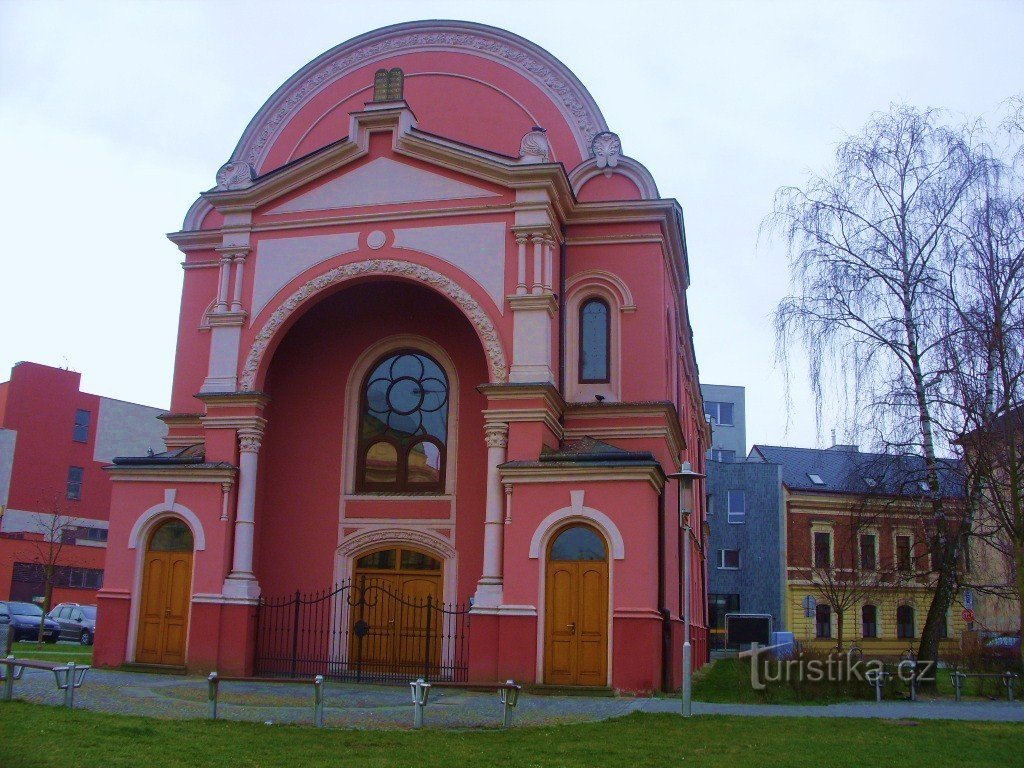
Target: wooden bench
[67,677]
[1008,680]
[508,695]
[215,680]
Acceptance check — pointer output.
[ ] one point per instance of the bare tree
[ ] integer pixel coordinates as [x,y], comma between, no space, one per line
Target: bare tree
[54,530]
[869,248]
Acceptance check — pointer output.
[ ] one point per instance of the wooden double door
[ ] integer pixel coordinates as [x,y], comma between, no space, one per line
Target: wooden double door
[397,615]
[576,609]
[166,596]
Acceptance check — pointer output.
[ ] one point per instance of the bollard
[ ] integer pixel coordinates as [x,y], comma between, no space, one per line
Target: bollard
[907,664]
[9,675]
[212,695]
[420,694]
[509,695]
[957,682]
[318,701]
[1008,678]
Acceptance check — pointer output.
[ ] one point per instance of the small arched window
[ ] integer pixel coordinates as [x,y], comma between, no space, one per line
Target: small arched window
[595,342]
[905,622]
[869,621]
[403,429]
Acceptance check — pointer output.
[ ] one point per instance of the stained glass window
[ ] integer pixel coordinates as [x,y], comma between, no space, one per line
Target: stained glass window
[594,341]
[404,429]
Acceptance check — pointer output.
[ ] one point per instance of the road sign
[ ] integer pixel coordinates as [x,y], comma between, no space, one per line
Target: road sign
[967,615]
[969,598]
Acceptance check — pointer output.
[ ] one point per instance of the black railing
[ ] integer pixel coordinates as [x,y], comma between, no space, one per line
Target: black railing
[362,632]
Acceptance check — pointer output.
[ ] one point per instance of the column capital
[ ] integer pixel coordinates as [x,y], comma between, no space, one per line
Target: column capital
[496,435]
[250,439]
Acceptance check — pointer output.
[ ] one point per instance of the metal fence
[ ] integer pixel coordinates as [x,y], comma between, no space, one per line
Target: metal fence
[362,632]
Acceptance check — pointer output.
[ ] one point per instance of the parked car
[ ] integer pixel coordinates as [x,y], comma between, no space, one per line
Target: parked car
[1002,647]
[77,622]
[25,619]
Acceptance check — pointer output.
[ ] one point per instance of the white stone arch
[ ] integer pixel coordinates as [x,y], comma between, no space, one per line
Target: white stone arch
[624,166]
[138,538]
[486,331]
[353,391]
[548,527]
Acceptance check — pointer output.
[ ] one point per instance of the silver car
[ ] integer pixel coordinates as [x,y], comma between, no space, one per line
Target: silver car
[77,622]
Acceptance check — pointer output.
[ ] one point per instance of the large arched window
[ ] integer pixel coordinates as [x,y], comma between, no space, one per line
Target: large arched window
[403,425]
[595,341]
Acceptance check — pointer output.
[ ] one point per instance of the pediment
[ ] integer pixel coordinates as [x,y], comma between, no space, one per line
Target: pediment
[382,181]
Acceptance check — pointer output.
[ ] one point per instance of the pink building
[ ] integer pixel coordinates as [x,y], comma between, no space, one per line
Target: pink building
[434,363]
[54,442]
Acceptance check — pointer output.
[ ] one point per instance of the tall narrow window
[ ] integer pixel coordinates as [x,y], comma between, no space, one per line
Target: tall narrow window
[905,622]
[75,475]
[903,554]
[869,621]
[80,434]
[737,506]
[822,549]
[403,430]
[823,620]
[868,561]
[595,342]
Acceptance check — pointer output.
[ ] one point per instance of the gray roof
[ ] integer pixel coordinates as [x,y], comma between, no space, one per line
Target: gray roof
[844,469]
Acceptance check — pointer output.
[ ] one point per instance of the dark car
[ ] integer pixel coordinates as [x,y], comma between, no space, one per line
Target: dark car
[77,622]
[1002,647]
[25,619]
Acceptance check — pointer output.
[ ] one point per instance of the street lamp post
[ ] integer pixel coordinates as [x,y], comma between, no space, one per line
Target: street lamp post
[686,476]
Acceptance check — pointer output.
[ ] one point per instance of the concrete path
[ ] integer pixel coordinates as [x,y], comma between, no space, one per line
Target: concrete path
[374,706]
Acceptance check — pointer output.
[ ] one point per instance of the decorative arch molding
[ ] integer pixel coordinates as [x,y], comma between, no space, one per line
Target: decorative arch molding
[583,280]
[531,61]
[396,536]
[557,519]
[481,321]
[625,166]
[157,514]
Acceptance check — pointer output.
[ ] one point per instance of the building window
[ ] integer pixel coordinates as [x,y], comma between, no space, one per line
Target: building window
[75,475]
[869,621]
[729,559]
[595,341]
[903,554]
[719,606]
[822,549]
[403,427]
[816,479]
[80,434]
[719,413]
[737,503]
[823,621]
[944,627]
[868,557]
[905,622]
[721,454]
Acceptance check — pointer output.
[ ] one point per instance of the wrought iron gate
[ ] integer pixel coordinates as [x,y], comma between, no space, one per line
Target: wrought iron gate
[362,632]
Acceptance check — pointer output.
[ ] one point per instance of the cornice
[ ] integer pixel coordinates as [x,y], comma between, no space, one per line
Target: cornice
[508,415]
[662,409]
[234,399]
[234,422]
[541,301]
[221,473]
[560,473]
[226,319]
[548,392]
[197,240]
[180,419]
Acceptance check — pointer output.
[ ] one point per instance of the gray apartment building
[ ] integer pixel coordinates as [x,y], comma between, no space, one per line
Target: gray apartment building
[746,562]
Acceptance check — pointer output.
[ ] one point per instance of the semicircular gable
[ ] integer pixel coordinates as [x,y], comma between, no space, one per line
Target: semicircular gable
[511,84]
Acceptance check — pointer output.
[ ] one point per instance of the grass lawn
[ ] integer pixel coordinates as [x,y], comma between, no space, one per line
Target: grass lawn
[32,734]
[728,681]
[55,652]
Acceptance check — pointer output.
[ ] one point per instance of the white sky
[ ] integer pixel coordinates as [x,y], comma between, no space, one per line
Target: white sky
[114,116]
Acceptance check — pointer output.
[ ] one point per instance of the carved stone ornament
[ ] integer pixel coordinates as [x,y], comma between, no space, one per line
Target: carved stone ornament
[606,149]
[496,435]
[235,175]
[481,321]
[572,98]
[535,147]
[366,539]
[249,440]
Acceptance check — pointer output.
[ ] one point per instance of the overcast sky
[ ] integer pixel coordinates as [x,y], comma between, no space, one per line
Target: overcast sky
[114,116]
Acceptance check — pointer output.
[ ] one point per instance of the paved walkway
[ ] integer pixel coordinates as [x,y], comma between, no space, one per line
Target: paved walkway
[372,706]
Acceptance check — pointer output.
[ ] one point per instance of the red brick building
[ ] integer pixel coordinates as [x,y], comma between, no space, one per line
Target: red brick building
[54,441]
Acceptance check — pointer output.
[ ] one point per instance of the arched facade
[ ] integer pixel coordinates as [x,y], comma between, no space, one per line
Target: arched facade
[362,216]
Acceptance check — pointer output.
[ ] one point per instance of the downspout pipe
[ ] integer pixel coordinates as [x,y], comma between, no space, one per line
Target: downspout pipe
[666,616]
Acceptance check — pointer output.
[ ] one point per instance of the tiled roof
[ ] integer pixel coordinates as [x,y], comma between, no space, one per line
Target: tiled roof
[843,469]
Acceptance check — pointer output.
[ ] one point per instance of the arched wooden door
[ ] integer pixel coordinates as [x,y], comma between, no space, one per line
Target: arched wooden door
[401,628]
[166,588]
[576,609]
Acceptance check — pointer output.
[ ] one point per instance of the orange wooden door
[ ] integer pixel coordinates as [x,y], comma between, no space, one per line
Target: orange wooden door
[419,625]
[163,614]
[576,619]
